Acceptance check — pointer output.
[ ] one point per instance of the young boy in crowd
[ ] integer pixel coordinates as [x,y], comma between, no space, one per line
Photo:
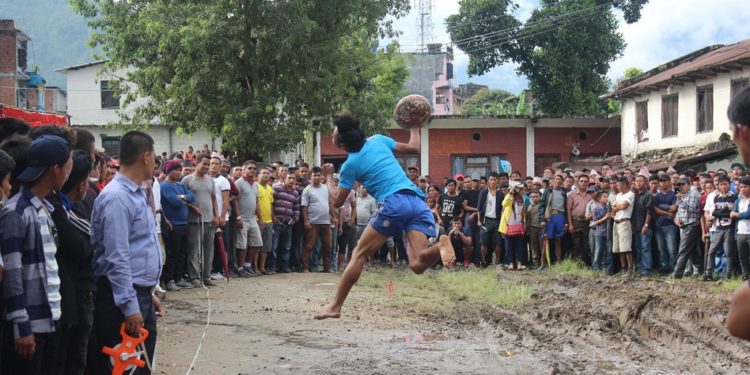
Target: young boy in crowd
[31,281]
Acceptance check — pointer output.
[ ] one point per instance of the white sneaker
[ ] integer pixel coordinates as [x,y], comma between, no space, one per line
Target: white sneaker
[159,289]
[217,276]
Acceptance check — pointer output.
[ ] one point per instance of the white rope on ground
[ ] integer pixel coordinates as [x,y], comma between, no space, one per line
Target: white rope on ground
[208,298]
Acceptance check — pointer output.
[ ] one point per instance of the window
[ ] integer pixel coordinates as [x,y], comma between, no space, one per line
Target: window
[111,145]
[669,115]
[641,120]
[542,161]
[109,100]
[705,120]
[440,99]
[738,85]
[408,161]
[482,164]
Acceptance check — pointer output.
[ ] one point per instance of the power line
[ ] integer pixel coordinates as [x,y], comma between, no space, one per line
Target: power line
[523,34]
[532,24]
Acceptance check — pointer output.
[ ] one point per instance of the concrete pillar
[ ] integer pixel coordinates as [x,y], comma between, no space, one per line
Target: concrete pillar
[530,148]
[424,150]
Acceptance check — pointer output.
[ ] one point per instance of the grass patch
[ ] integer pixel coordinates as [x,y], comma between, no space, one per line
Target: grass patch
[728,285]
[569,267]
[439,292]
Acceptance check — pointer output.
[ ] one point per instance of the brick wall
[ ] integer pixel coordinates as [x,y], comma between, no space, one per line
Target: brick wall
[445,143]
[8,61]
[8,91]
[560,141]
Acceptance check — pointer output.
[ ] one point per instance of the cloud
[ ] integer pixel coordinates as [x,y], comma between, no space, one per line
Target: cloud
[667,30]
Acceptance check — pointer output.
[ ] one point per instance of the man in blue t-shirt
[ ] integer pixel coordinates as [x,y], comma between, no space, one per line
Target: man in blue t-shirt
[402,204]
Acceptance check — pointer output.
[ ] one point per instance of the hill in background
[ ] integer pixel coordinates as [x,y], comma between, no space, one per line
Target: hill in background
[58,35]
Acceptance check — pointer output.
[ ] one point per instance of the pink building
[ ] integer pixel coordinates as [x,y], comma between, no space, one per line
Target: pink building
[442,89]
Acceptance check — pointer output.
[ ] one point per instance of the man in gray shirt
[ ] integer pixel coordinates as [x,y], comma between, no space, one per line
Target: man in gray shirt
[202,220]
[248,236]
[317,213]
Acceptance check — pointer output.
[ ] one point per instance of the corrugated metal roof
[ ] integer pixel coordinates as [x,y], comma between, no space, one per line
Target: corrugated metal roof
[708,61]
[80,66]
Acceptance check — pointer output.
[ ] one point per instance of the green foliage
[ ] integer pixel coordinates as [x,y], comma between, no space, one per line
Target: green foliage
[632,72]
[58,35]
[259,73]
[613,105]
[495,103]
[564,48]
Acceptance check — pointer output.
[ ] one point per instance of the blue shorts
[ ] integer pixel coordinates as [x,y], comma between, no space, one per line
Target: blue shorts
[404,211]
[556,226]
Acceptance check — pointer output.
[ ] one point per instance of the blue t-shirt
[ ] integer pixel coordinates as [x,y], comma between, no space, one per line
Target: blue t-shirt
[663,201]
[375,167]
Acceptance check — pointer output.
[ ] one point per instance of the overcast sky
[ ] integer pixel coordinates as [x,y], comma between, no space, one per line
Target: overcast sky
[667,29]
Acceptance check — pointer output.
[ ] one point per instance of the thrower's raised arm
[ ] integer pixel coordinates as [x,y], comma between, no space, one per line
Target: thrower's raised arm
[413,147]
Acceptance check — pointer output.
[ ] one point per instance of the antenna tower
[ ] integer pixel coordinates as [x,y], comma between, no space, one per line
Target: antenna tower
[424,22]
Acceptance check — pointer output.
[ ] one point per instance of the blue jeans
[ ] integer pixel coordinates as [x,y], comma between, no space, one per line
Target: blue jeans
[514,248]
[642,250]
[600,248]
[283,251]
[666,240]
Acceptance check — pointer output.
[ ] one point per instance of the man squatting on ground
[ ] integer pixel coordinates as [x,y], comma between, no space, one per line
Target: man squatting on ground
[372,163]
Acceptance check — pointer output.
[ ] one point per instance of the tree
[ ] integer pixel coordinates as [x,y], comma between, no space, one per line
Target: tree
[259,73]
[564,48]
[613,105]
[490,103]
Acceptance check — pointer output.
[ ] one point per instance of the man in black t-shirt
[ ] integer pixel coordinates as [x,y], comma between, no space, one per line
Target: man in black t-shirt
[450,205]
[471,201]
[461,242]
[717,212]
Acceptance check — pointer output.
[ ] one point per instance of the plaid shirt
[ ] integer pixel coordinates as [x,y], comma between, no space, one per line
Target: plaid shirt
[689,207]
[26,288]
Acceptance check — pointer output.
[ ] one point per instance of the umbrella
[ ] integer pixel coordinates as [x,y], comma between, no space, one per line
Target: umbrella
[223,253]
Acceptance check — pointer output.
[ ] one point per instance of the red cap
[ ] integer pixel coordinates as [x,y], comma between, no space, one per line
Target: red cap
[459,175]
[414,168]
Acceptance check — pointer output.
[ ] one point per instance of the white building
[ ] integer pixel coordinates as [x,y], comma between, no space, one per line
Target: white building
[682,103]
[93,106]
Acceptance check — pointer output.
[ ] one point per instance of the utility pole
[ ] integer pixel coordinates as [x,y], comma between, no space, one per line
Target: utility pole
[424,21]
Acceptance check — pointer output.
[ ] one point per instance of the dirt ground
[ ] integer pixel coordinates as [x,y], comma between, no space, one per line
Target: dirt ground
[569,325]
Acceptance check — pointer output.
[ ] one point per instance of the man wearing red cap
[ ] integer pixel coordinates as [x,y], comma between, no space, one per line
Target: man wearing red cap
[413,174]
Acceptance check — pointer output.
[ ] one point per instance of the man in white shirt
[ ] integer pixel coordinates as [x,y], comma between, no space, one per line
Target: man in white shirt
[622,233]
[221,191]
[741,213]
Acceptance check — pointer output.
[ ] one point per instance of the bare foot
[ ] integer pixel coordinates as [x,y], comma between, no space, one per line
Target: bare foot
[447,255]
[329,313]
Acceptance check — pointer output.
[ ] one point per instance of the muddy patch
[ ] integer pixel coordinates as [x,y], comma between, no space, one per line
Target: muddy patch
[569,325]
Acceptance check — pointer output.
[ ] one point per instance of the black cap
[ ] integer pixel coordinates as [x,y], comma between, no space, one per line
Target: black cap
[44,152]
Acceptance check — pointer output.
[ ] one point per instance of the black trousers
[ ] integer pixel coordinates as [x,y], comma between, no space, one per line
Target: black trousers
[176,242]
[78,336]
[45,355]
[107,321]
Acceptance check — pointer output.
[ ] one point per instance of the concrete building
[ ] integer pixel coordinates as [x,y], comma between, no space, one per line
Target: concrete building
[453,144]
[19,85]
[682,103]
[92,105]
[424,69]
